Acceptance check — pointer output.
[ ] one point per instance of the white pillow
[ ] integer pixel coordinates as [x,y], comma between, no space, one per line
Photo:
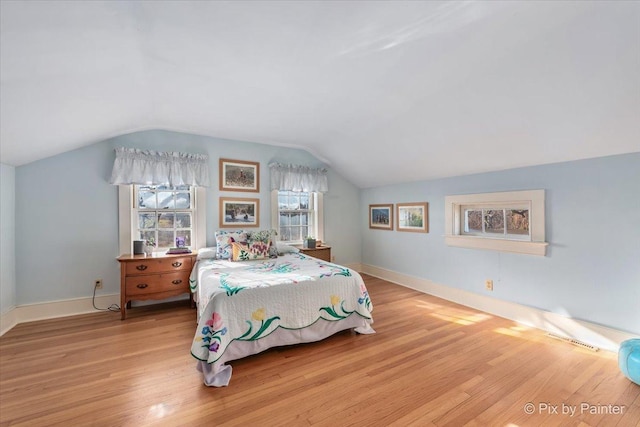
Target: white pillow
[283,248]
[207,253]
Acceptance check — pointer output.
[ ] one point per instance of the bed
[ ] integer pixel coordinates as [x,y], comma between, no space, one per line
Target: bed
[246,307]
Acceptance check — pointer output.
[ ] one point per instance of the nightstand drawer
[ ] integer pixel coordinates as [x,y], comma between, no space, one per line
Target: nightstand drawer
[151,284]
[157,265]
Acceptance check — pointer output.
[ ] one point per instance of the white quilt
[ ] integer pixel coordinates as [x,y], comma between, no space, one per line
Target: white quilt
[248,301]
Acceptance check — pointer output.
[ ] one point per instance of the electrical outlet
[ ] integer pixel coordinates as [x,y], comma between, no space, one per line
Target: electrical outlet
[333,258]
[488,284]
[98,284]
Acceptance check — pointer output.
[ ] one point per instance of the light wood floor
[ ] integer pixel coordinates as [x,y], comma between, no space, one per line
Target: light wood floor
[431,363]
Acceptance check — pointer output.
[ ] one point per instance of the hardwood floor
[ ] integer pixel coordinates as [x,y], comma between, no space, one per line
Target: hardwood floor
[431,363]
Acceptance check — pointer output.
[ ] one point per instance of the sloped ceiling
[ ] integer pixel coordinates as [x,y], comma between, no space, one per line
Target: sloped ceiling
[384,92]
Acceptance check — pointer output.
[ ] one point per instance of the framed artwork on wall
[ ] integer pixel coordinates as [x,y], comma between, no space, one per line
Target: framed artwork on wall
[412,217]
[381,217]
[239,175]
[238,212]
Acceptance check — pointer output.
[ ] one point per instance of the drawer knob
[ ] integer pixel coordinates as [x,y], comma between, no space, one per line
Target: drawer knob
[177,264]
[141,267]
[142,285]
[177,281]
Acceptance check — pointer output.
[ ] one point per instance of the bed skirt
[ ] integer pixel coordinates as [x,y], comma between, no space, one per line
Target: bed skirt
[218,374]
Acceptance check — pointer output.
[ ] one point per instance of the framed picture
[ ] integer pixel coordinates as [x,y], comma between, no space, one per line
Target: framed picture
[239,212]
[381,217]
[238,175]
[412,217]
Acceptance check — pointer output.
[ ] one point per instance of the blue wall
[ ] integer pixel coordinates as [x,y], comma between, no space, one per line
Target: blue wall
[7,238]
[592,268]
[67,212]
[66,227]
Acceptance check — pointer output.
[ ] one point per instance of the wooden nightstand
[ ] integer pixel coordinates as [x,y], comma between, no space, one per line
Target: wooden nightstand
[320,252]
[154,277]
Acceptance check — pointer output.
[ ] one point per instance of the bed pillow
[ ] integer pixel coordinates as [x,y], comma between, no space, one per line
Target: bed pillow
[268,237]
[283,248]
[252,250]
[207,253]
[224,240]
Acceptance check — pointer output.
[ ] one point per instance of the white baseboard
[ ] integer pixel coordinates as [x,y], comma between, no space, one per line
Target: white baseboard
[50,310]
[590,333]
[354,266]
[8,320]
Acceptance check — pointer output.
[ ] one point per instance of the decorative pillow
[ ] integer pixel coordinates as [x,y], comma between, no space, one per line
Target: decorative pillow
[224,240]
[252,250]
[266,236]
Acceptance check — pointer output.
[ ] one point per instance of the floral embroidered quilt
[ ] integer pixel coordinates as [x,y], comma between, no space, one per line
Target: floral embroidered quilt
[246,301]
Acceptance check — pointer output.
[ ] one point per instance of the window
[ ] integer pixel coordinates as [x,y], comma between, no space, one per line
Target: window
[496,221]
[163,214]
[509,221]
[296,214]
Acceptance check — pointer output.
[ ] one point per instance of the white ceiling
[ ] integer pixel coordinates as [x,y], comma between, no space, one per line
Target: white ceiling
[384,92]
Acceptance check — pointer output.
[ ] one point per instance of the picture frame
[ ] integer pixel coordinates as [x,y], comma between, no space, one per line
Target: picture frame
[412,217]
[238,212]
[239,175]
[381,216]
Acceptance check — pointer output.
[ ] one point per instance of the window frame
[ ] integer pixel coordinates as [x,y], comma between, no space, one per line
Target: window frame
[533,199]
[127,224]
[158,211]
[316,198]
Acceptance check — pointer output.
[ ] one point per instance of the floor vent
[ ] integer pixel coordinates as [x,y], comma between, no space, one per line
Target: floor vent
[573,341]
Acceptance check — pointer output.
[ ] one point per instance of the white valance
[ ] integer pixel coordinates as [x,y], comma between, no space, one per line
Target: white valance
[298,178]
[134,166]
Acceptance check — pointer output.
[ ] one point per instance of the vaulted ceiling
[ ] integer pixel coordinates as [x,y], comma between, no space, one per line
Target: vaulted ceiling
[384,92]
